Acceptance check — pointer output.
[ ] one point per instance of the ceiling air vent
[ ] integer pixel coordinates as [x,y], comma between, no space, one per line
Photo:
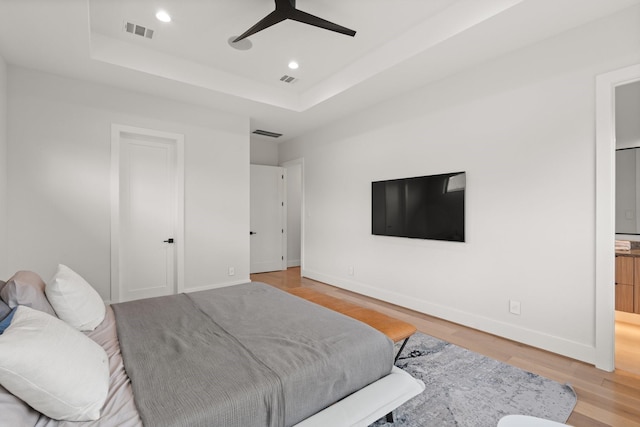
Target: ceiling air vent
[267,133]
[288,79]
[138,30]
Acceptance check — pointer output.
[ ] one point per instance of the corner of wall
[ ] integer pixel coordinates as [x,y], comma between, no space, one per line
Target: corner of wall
[3,168]
[263,152]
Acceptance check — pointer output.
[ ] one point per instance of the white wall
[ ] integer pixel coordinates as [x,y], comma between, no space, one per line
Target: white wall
[627,122]
[264,152]
[522,127]
[627,162]
[4,272]
[58,183]
[628,115]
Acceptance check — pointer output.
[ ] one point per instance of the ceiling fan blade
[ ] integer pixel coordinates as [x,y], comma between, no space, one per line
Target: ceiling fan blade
[269,20]
[307,18]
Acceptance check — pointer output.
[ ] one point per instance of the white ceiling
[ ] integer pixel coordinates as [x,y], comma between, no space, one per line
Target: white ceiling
[399,45]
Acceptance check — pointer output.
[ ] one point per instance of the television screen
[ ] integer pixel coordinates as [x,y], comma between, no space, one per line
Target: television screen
[425,207]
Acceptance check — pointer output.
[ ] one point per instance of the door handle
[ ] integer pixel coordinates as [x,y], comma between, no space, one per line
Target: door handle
[169,240]
[251,233]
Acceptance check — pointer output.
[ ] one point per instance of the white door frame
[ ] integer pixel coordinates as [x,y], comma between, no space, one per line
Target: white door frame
[285,224]
[605,212]
[117,131]
[300,162]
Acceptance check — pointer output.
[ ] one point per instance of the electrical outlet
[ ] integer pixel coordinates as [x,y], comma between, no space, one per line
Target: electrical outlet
[232,271]
[514,307]
[350,270]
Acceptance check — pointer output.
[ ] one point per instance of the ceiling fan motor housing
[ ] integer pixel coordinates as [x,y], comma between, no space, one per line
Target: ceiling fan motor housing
[286,9]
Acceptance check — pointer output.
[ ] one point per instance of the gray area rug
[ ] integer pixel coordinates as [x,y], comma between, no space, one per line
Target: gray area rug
[467,389]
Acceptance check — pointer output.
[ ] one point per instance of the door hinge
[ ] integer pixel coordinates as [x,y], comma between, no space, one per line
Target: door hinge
[282,203]
[283,231]
[282,257]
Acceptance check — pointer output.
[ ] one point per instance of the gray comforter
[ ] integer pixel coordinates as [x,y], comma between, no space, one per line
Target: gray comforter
[246,355]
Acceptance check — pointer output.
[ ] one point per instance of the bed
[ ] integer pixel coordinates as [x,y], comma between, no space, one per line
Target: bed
[244,355]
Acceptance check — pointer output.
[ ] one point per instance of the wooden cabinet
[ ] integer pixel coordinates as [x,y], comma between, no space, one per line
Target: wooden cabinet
[628,283]
[625,276]
[636,285]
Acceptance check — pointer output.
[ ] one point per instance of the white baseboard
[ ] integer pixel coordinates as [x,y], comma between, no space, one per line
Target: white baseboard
[217,285]
[526,336]
[206,287]
[293,263]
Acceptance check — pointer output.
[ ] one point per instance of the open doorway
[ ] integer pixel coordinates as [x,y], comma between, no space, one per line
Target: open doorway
[627,135]
[606,85]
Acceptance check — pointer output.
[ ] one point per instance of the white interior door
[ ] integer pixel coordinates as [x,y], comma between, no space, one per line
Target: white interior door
[268,240]
[147,217]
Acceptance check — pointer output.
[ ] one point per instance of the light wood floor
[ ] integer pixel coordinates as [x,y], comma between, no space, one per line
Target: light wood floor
[604,398]
[628,347]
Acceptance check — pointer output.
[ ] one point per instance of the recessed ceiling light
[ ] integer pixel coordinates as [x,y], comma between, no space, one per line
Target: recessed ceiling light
[293,65]
[163,16]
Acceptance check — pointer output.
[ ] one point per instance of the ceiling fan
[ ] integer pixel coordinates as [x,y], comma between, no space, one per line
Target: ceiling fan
[286,9]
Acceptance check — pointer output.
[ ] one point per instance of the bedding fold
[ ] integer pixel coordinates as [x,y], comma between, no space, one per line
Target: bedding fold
[186,371]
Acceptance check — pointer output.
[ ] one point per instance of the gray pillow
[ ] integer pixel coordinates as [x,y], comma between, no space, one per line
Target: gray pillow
[4,308]
[26,288]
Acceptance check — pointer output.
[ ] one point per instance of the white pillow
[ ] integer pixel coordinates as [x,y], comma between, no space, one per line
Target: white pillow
[54,368]
[74,300]
[15,412]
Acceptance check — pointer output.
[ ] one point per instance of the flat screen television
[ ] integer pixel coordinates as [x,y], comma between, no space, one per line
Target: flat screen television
[425,207]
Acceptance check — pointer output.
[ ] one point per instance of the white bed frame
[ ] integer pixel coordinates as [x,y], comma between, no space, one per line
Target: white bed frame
[370,403]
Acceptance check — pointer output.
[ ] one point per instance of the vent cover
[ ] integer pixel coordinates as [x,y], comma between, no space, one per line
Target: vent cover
[267,133]
[288,79]
[138,30]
